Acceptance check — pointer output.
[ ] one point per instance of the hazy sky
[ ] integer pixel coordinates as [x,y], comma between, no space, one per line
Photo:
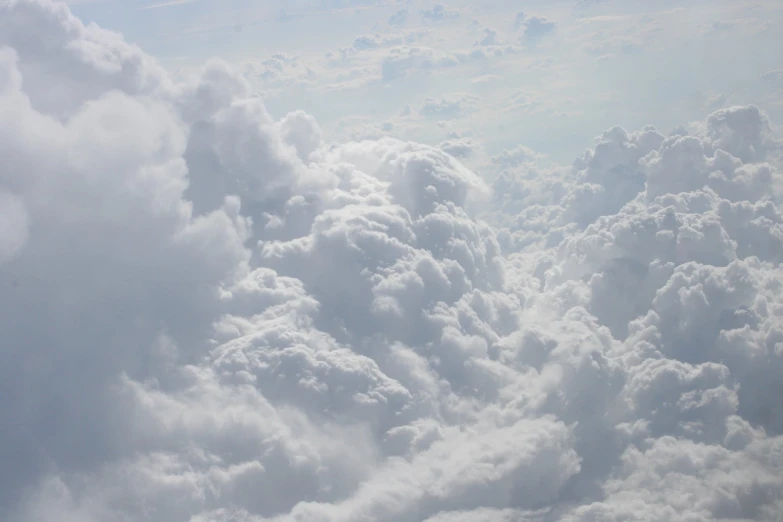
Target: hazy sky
[391,262]
[588,66]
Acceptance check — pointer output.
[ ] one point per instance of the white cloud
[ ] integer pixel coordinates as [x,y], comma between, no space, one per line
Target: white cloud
[399,18]
[211,313]
[533,27]
[773,76]
[439,12]
[171,3]
[400,60]
[447,108]
[490,37]
[459,147]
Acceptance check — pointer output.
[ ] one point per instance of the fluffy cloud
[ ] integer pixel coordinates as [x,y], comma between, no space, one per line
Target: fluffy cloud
[279,71]
[533,27]
[439,13]
[210,314]
[399,18]
[449,108]
[400,60]
[459,147]
[490,37]
[377,41]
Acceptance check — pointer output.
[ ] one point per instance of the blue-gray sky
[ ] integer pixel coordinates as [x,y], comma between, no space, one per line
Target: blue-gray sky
[589,65]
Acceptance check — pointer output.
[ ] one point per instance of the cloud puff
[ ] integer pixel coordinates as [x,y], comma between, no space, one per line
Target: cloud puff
[533,27]
[377,57]
[451,107]
[279,71]
[490,37]
[378,41]
[439,13]
[399,18]
[509,158]
[774,76]
[210,314]
[403,59]
[459,147]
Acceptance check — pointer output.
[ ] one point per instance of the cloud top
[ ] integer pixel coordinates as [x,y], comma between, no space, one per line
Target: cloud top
[210,314]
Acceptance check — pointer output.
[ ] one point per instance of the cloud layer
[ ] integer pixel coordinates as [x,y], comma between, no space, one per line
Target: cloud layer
[208,314]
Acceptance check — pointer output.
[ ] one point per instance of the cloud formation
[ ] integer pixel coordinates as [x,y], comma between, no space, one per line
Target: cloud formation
[439,13]
[533,27]
[209,314]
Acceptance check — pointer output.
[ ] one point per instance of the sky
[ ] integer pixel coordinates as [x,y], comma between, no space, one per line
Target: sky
[577,67]
[375,261]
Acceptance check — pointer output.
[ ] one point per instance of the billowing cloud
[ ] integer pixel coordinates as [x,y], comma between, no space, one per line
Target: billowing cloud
[459,147]
[211,314]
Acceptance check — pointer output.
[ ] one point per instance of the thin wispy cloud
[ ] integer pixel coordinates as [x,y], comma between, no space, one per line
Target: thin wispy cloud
[172,3]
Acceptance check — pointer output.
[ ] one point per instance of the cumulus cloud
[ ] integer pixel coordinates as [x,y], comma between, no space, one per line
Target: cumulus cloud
[459,147]
[490,37]
[403,59]
[533,27]
[510,158]
[399,18]
[449,107]
[439,13]
[278,71]
[378,41]
[378,58]
[210,314]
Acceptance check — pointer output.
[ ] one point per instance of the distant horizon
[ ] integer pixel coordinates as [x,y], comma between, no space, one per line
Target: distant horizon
[594,65]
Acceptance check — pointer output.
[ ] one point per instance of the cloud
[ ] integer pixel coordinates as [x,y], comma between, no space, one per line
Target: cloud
[377,40]
[533,27]
[450,107]
[490,37]
[399,18]
[210,313]
[279,71]
[774,76]
[171,3]
[509,158]
[439,13]
[401,60]
[603,46]
[459,147]
[372,59]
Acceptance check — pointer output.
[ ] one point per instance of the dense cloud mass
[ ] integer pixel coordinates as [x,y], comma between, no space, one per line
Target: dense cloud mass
[207,314]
